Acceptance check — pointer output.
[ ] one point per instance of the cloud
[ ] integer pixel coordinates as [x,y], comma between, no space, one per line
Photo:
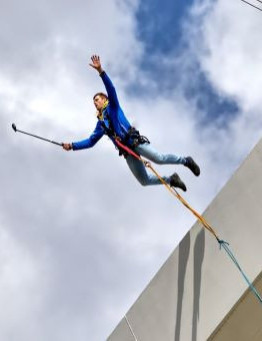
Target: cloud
[58,242]
[230,57]
[80,238]
[21,285]
[46,49]
[235,45]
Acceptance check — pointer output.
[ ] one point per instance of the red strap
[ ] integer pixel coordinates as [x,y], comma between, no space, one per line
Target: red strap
[128,150]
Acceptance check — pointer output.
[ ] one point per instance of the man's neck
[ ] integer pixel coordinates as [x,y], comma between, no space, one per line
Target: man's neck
[100,111]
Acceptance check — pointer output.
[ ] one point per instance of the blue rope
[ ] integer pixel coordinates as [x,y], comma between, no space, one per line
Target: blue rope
[224,244]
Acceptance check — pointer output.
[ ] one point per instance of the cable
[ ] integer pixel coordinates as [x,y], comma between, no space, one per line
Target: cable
[130,328]
[260,9]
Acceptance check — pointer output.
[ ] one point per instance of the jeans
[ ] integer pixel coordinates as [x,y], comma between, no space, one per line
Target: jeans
[139,170]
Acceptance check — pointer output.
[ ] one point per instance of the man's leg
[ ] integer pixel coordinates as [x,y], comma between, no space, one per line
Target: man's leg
[139,170]
[151,154]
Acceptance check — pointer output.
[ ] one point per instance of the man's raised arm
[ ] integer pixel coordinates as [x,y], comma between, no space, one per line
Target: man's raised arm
[111,91]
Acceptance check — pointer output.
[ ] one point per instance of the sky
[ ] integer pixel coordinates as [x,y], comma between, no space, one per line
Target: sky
[80,238]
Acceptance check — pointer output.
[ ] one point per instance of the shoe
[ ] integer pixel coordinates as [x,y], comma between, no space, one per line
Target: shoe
[190,163]
[175,181]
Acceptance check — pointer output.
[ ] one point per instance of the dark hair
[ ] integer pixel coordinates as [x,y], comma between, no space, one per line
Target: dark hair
[100,94]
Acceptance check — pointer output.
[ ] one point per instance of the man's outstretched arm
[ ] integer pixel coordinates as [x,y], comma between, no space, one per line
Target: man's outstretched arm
[110,89]
[87,143]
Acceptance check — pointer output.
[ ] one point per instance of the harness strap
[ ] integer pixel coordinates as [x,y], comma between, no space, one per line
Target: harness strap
[138,139]
[127,150]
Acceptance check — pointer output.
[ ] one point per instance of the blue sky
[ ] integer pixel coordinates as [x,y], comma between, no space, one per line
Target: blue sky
[161,29]
[160,25]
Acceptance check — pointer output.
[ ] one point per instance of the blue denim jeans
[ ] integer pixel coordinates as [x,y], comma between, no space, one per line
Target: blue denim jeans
[139,170]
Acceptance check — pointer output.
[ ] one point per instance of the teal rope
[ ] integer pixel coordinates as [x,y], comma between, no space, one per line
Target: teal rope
[224,244]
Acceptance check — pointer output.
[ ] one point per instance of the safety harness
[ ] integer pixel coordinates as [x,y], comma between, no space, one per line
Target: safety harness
[132,134]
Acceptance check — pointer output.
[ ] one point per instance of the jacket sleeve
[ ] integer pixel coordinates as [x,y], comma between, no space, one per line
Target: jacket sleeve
[91,140]
[110,89]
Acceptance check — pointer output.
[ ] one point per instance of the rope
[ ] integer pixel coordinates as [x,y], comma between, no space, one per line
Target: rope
[229,252]
[183,201]
[169,188]
[196,214]
[130,328]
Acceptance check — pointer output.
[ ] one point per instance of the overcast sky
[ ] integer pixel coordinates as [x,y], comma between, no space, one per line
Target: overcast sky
[79,237]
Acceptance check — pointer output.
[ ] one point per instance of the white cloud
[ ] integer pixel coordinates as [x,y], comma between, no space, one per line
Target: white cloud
[46,88]
[46,55]
[233,56]
[22,290]
[226,45]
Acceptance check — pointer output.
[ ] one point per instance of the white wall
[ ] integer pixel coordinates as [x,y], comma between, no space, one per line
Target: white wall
[199,284]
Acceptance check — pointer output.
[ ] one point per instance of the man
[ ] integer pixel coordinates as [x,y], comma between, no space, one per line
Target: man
[113,123]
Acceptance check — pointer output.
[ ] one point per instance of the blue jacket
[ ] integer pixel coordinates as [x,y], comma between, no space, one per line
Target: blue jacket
[112,114]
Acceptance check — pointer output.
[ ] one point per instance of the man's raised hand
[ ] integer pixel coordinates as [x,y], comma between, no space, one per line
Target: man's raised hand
[96,64]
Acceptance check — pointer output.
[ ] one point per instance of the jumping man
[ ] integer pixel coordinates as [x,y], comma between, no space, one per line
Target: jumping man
[113,123]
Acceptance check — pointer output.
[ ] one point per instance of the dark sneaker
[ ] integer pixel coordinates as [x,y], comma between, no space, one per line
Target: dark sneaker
[190,163]
[175,181]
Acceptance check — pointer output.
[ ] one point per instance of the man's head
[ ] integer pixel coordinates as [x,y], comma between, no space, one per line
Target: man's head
[99,100]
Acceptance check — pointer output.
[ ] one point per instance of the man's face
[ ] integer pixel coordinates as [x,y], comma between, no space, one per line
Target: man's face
[99,102]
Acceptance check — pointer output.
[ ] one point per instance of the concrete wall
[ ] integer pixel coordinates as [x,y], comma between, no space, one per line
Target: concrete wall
[198,285]
[244,321]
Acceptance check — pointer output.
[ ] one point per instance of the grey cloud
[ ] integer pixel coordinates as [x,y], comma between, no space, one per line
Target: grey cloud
[67,210]
[80,217]
[37,37]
